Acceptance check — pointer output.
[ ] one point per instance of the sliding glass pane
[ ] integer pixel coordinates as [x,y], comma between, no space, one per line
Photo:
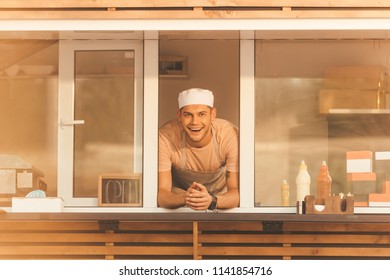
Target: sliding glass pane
[104,100]
[322,101]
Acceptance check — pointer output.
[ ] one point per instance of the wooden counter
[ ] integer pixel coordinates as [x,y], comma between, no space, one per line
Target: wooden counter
[193,236]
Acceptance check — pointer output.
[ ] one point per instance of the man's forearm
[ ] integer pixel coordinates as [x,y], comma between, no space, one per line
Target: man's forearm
[227,200]
[171,200]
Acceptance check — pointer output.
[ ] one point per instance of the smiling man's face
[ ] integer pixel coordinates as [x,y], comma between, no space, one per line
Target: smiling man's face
[196,122]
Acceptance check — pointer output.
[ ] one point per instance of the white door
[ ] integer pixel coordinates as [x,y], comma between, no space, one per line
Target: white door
[100,115]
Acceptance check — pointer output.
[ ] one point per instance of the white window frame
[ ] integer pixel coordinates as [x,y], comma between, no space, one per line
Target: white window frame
[247,116]
[66,97]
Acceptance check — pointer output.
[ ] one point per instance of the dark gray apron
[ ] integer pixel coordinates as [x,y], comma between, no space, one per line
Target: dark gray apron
[214,181]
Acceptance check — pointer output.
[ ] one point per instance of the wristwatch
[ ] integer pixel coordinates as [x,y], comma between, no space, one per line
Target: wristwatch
[213,204]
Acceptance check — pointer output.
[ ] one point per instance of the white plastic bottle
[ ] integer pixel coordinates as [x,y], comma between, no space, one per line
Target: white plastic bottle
[303,182]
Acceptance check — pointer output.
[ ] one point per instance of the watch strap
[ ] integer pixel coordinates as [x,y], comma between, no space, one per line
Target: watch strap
[213,204]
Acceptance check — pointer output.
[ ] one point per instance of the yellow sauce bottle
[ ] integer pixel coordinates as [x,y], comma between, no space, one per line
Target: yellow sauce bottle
[285,193]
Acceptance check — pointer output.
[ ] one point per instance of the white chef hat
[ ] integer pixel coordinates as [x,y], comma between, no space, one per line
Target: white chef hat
[196,96]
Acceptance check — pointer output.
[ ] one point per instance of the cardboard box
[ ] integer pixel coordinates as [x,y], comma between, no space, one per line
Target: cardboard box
[360,203]
[384,196]
[359,155]
[37,204]
[7,181]
[354,87]
[24,180]
[359,166]
[386,187]
[359,162]
[350,99]
[352,83]
[361,177]
[379,197]
[360,200]
[385,155]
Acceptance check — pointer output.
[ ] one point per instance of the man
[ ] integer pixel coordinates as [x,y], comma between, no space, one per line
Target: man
[198,156]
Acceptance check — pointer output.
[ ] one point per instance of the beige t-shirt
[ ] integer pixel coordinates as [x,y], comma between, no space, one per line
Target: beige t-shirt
[198,159]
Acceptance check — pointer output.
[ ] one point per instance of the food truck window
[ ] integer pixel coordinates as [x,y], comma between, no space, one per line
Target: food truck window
[195,59]
[320,101]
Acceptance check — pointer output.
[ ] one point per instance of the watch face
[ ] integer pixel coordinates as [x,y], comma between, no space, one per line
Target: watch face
[213,203]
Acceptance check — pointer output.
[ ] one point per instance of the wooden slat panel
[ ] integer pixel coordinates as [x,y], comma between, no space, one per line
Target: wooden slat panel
[326,240]
[156,226]
[154,238]
[55,237]
[95,250]
[336,227]
[198,14]
[48,225]
[58,239]
[229,226]
[111,3]
[94,237]
[294,238]
[342,252]
[295,251]
[188,3]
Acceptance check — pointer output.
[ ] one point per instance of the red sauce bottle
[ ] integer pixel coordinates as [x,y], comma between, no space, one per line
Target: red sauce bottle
[324,182]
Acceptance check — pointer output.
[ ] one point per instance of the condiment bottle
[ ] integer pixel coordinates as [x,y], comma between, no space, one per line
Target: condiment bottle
[303,182]
[324,182]
[285,193]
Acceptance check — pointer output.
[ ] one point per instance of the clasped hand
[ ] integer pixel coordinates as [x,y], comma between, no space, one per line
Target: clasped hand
[197,197]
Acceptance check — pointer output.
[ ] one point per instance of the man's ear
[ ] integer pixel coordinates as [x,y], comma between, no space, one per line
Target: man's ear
[213,113]
[178,113]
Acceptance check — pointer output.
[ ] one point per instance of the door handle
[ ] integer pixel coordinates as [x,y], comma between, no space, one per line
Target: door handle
[70,123]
